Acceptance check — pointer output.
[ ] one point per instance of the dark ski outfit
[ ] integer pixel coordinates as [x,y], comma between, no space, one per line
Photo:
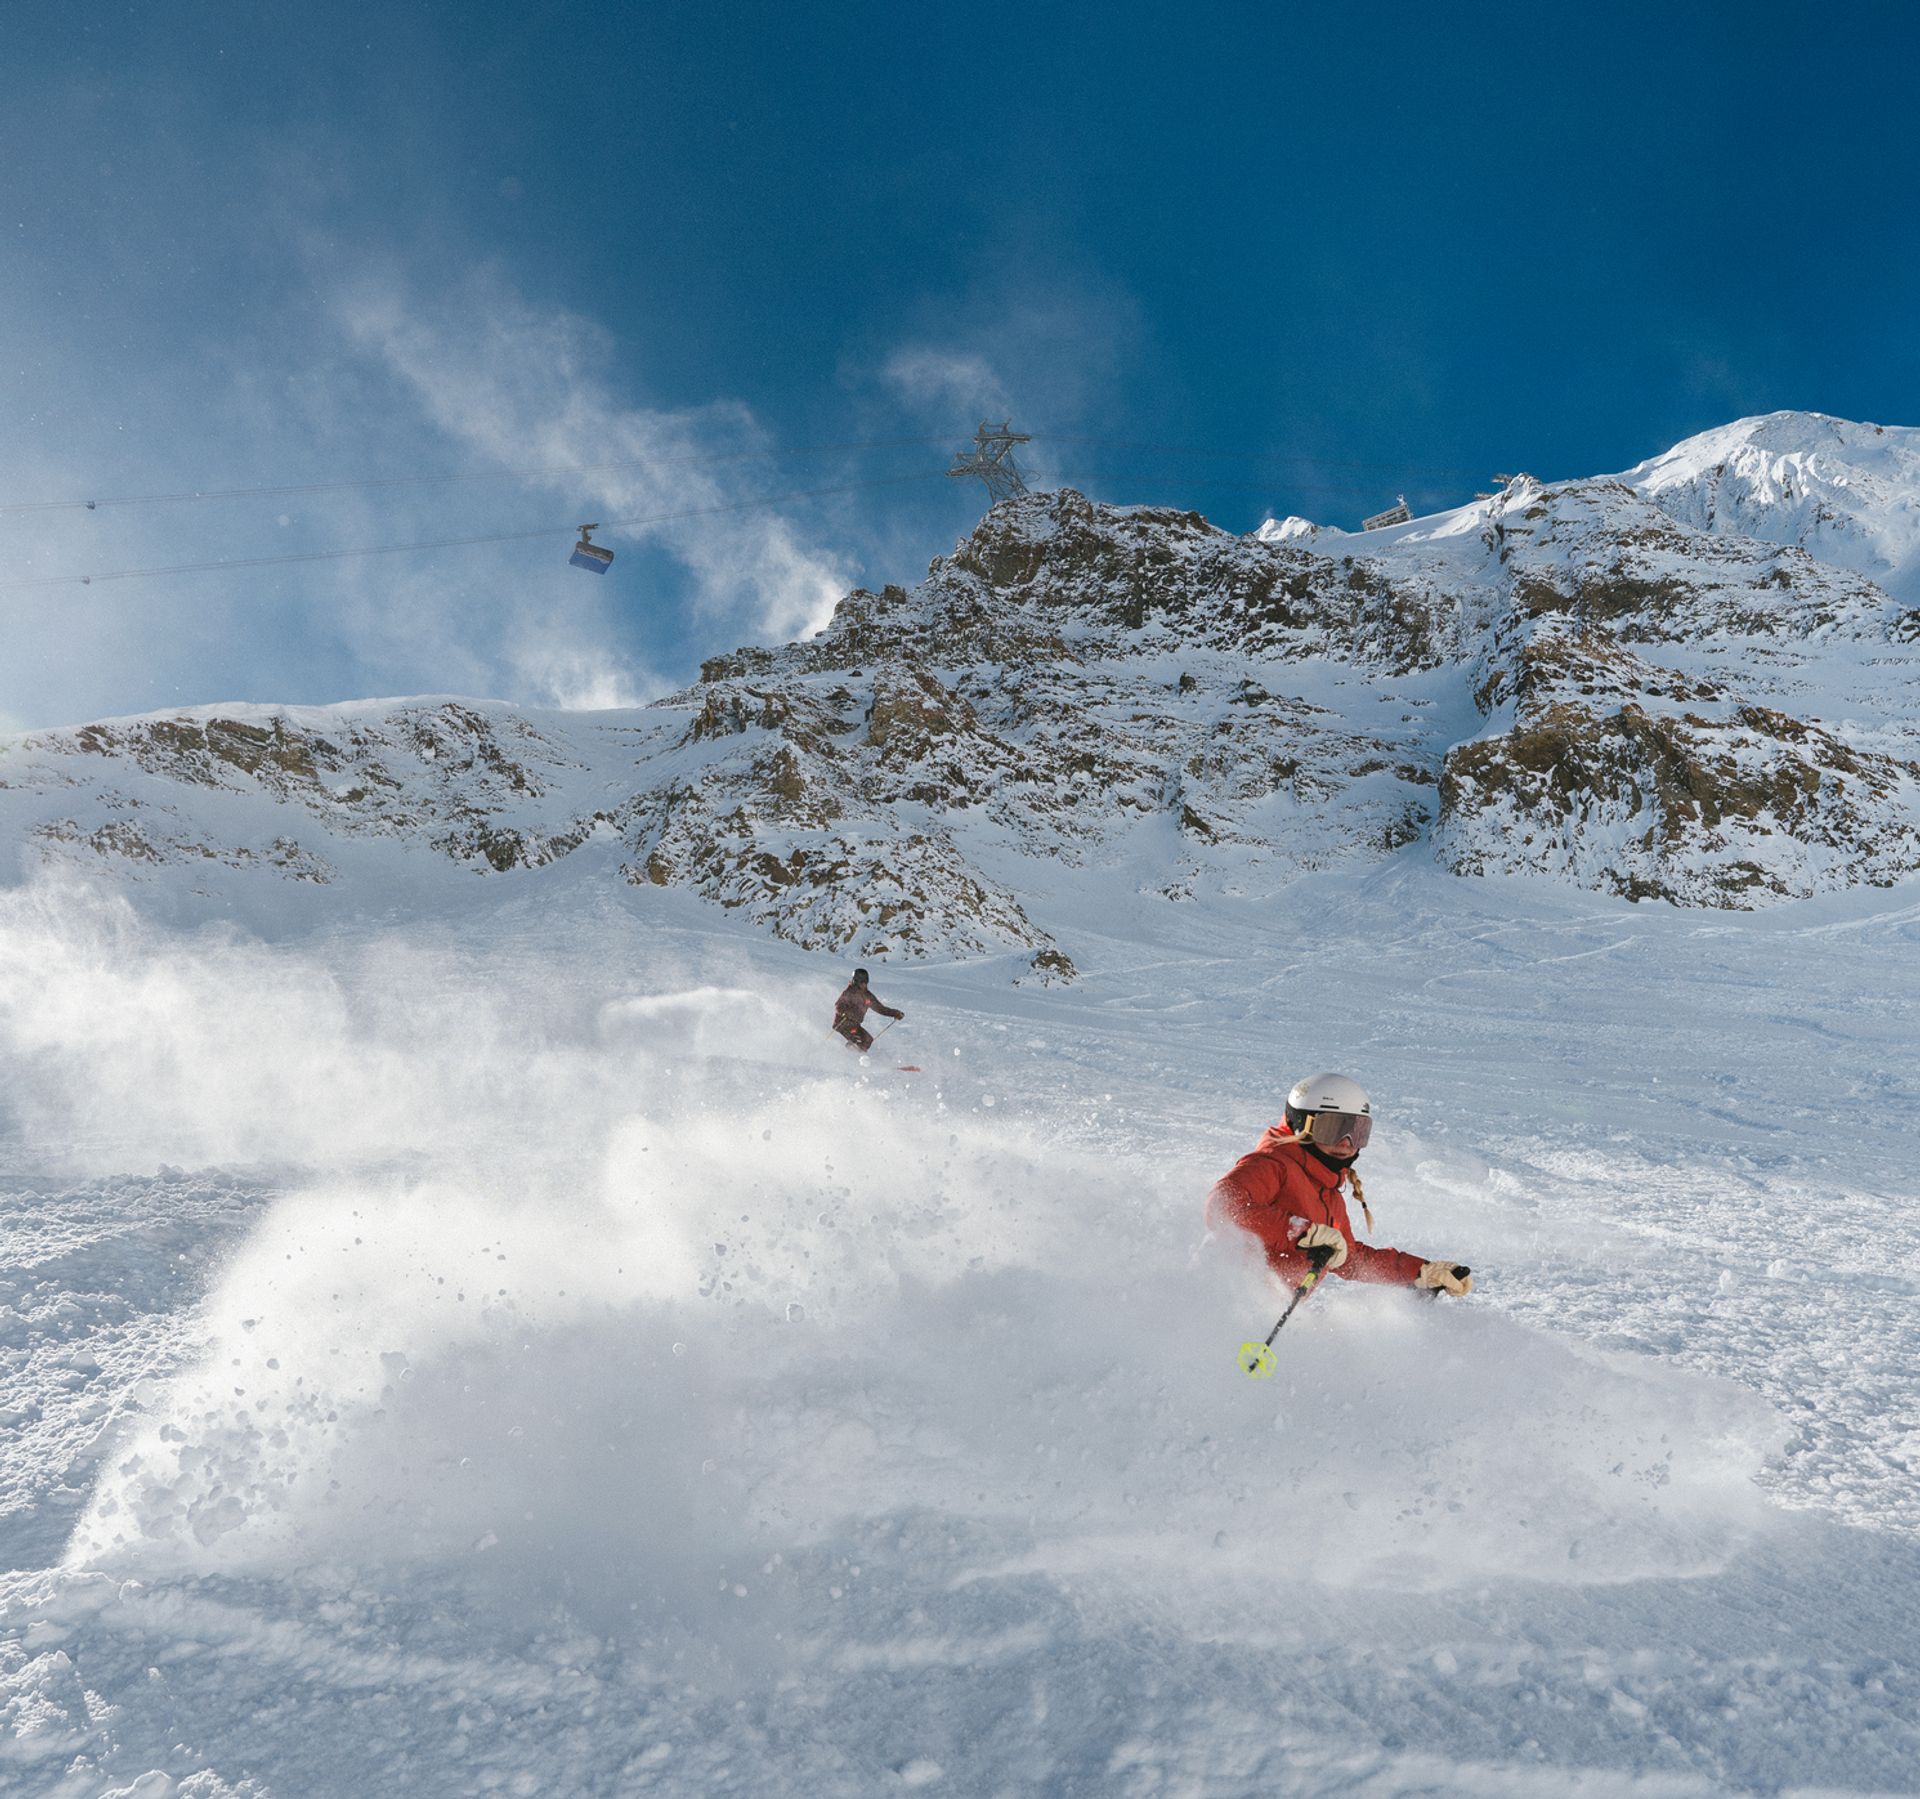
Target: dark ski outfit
[1277,1190]
[855,1001]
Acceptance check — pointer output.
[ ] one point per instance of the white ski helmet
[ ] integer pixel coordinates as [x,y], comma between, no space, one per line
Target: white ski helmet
[1331,1110]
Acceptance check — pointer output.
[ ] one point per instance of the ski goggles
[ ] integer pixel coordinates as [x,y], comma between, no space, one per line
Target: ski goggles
[1339,1133]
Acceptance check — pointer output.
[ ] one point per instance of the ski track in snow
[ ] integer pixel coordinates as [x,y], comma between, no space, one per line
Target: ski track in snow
[524,1354]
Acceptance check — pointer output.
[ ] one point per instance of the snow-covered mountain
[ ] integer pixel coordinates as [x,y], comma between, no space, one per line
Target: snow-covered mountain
[1682,683]
[1848,493]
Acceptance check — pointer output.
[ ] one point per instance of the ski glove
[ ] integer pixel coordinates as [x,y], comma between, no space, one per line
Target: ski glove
[1451,1277]
[1323,1236]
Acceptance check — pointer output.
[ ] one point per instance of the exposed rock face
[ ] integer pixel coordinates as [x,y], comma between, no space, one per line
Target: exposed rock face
[1638,756]
[1701,811]
[1071,675]
[444,773]
[1578,681]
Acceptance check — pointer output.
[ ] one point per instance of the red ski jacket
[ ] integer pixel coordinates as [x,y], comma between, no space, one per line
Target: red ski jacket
[1277,1190]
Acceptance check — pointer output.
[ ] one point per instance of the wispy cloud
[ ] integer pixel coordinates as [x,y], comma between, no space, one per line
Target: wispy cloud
[388,377]
[1045,348]
[932,380]
[292,404]
[528,388]
[577,677]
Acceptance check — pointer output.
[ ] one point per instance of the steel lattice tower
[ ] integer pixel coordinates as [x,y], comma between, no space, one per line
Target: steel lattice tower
[991,460]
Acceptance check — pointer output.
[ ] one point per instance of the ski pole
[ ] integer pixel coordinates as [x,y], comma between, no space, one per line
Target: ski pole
[884,1029]
[1257,1358]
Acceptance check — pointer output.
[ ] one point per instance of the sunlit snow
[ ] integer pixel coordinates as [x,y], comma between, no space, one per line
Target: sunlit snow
[464,1334]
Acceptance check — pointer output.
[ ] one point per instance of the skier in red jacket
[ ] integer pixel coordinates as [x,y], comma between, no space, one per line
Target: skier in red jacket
[855,1000]
[1287,1192]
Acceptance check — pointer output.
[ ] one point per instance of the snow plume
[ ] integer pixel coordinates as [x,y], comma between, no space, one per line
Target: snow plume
[132,1048]
[953,381]
[528,389]
[1045,351]
[958,387]
[286,407]
[577,677]
[619,1281]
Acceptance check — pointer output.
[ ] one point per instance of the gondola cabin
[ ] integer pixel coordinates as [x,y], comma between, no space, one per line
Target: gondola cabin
[589,555]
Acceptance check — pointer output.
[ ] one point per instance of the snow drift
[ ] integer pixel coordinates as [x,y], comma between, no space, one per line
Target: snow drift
[623,1316]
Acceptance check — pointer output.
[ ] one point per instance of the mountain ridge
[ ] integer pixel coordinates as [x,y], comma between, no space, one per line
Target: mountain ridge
[1576,680]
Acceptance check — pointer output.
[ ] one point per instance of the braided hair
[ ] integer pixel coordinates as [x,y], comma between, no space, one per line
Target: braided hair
[1352,1173]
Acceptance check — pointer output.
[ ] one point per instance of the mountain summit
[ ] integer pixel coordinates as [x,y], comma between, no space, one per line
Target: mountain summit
[1848,493]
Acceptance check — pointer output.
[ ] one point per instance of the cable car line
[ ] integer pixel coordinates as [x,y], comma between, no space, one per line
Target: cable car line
[556,470]
[601,557]
[1405,469]
[448,543]
[1271,491]
[597,557]
[546,472]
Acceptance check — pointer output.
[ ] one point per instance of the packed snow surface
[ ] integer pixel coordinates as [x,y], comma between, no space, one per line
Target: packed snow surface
[516,1349]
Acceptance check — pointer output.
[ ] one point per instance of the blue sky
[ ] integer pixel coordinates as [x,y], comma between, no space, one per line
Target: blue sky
[1246,259]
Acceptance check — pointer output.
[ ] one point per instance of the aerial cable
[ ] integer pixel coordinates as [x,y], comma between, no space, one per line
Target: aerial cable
[1293,460]
[1228,484]
[558,470]
[448,543]
[547,472]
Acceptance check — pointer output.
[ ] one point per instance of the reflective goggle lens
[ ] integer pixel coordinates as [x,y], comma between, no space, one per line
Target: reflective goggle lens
[1345,1132]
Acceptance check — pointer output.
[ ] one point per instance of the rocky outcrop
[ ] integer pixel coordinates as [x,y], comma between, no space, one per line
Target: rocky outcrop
[1729,811]
[1576,680]
[1631,747]
[445,772]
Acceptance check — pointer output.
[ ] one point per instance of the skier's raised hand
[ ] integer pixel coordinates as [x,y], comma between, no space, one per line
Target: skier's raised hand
[1448,1277]
[1323,1236]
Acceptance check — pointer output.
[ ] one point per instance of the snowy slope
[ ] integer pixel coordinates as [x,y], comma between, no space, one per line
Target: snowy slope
[466,1326]
[1716,711]
[1847,493]
[518,1351]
